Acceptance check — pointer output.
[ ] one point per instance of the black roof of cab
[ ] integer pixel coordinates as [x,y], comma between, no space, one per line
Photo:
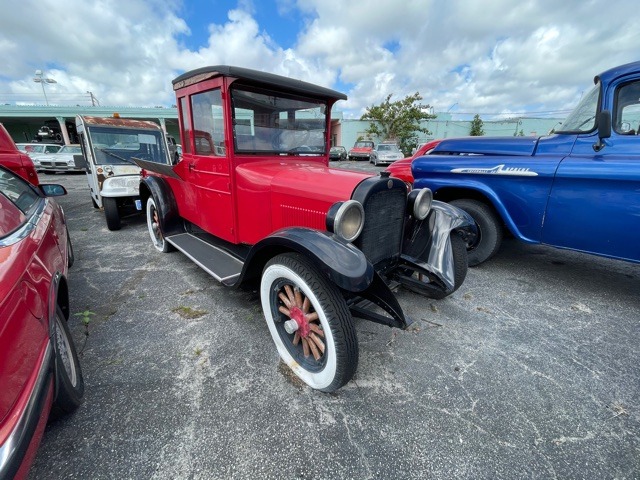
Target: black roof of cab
[255,76]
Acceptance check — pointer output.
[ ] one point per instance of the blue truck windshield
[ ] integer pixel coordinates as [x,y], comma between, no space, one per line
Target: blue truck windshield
[583,117]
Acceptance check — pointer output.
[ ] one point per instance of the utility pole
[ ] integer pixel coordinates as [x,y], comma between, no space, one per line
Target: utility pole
[94,100]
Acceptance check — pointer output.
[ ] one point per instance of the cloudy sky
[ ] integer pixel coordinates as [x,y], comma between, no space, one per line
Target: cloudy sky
[466,57]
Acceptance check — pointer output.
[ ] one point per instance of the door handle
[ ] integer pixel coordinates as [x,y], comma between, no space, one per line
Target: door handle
[191,166]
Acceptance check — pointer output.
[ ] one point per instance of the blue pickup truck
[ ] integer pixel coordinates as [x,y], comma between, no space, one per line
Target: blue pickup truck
[577,188]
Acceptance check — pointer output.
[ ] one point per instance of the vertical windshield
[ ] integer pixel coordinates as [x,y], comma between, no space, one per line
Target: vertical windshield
[583,117]
[270,122]
[114,145]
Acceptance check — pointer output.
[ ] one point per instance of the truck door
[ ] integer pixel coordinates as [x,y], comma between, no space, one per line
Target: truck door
[595,200]
[206,198]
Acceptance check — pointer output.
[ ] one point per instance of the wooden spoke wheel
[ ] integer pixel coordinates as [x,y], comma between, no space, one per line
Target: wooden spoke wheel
[309,322]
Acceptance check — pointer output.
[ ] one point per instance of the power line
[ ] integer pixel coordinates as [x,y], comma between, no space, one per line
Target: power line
[52,94]
[63,98]
[530,112]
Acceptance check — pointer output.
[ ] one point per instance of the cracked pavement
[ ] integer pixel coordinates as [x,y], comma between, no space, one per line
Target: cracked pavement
[530,370]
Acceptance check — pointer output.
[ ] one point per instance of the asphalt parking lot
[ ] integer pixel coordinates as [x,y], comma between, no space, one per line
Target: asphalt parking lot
[530,370]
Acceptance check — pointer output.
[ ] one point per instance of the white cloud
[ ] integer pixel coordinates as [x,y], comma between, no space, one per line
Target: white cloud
[115,48]
[498,56]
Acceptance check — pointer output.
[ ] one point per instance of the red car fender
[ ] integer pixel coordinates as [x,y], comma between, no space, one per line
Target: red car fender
[15,160]
[402,168]
[33,273]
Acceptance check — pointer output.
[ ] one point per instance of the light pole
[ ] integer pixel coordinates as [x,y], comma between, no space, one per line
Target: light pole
[94,100]
[41,79]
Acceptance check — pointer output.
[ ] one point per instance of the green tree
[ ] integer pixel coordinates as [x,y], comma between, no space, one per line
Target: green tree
[398,121]
[476,126]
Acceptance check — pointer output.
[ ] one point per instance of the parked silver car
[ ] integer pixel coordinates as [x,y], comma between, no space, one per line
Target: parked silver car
[385,153]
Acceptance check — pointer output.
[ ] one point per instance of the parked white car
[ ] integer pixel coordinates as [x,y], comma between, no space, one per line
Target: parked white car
[385,153]
[62,160]
[111,147]
[38,150]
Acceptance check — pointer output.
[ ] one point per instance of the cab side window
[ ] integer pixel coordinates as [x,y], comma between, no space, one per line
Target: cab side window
[627,109]
[208,123]
[186,125]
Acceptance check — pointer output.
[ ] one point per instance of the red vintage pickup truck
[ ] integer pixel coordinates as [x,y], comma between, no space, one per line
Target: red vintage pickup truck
[361,150]
[253,201]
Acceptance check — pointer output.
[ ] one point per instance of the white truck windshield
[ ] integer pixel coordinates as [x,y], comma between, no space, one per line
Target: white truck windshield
[113,145]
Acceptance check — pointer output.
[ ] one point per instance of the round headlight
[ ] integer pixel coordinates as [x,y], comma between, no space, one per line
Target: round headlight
[421,200]
[348,220]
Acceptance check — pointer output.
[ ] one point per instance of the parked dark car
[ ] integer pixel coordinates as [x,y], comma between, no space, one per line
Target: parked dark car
[39,368]
[338,153]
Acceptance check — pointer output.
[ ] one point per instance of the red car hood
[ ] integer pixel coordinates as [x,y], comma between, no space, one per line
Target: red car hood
[302,178]
[402,168]
[290,192]
[336,184]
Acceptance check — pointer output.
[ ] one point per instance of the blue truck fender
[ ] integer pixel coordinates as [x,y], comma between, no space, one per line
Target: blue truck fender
[480,191]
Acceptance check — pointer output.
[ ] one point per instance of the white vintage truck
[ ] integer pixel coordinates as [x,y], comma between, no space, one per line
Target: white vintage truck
[109,145]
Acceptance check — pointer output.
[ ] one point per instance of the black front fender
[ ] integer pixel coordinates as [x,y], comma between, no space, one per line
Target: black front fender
[341,262]
[166,205]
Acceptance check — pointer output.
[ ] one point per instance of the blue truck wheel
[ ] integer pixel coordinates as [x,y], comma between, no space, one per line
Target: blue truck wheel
[490,231]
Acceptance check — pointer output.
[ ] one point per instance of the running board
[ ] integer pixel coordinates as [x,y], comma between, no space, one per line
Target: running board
[216,262]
